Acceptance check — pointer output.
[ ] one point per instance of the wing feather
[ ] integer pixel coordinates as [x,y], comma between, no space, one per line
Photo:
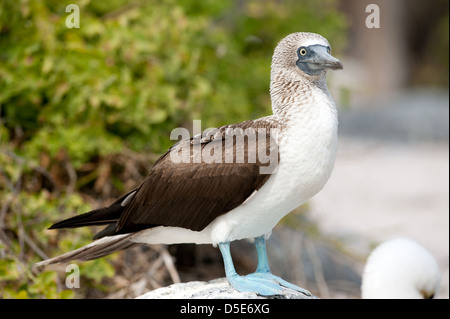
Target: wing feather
[191,195]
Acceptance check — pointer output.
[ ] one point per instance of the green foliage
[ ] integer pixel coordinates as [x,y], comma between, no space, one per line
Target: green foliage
[132,73]
[72,100]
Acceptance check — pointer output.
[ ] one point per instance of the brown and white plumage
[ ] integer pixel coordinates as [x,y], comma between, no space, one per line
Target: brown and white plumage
[187,195]
[203,202]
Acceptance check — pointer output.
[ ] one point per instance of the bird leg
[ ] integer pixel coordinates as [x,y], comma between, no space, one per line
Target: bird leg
[263,270]
[260,286]
[262,281]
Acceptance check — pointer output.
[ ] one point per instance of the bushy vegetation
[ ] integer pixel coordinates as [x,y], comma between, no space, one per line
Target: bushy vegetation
[84,112]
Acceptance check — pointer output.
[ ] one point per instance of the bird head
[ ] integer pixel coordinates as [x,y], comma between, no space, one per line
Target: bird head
[304,54]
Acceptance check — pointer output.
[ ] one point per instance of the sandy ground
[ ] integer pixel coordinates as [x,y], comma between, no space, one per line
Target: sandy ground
[380,190]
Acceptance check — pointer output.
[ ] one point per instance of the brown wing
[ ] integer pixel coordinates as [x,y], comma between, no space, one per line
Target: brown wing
[210,180]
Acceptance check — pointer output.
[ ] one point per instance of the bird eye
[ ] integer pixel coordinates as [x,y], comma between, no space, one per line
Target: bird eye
[328,50]
[302,51]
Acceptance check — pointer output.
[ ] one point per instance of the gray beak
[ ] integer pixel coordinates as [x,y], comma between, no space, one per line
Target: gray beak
[317,60]
[325,60]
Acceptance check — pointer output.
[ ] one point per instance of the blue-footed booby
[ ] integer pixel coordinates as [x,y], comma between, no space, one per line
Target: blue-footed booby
[202,200]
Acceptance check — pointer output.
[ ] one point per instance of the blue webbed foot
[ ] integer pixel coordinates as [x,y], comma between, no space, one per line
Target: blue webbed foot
[262,282]
[261,286]
[269,277]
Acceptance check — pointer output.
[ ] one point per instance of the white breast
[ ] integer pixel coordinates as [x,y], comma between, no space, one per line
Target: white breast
[307,154]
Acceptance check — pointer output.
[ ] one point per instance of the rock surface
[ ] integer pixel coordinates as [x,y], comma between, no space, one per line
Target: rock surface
[214,289]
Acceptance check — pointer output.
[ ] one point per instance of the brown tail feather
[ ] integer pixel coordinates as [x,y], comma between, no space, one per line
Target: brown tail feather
[96,249]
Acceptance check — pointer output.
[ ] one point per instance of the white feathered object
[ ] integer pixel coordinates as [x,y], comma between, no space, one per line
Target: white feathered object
[400,269]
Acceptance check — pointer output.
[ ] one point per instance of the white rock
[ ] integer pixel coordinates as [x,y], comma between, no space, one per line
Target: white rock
[214,289]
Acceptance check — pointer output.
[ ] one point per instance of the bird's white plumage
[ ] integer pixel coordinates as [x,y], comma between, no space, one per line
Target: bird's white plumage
[307,146]
[400,269]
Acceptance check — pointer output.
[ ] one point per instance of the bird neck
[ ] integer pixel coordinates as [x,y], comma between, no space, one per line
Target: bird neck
[291,92]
